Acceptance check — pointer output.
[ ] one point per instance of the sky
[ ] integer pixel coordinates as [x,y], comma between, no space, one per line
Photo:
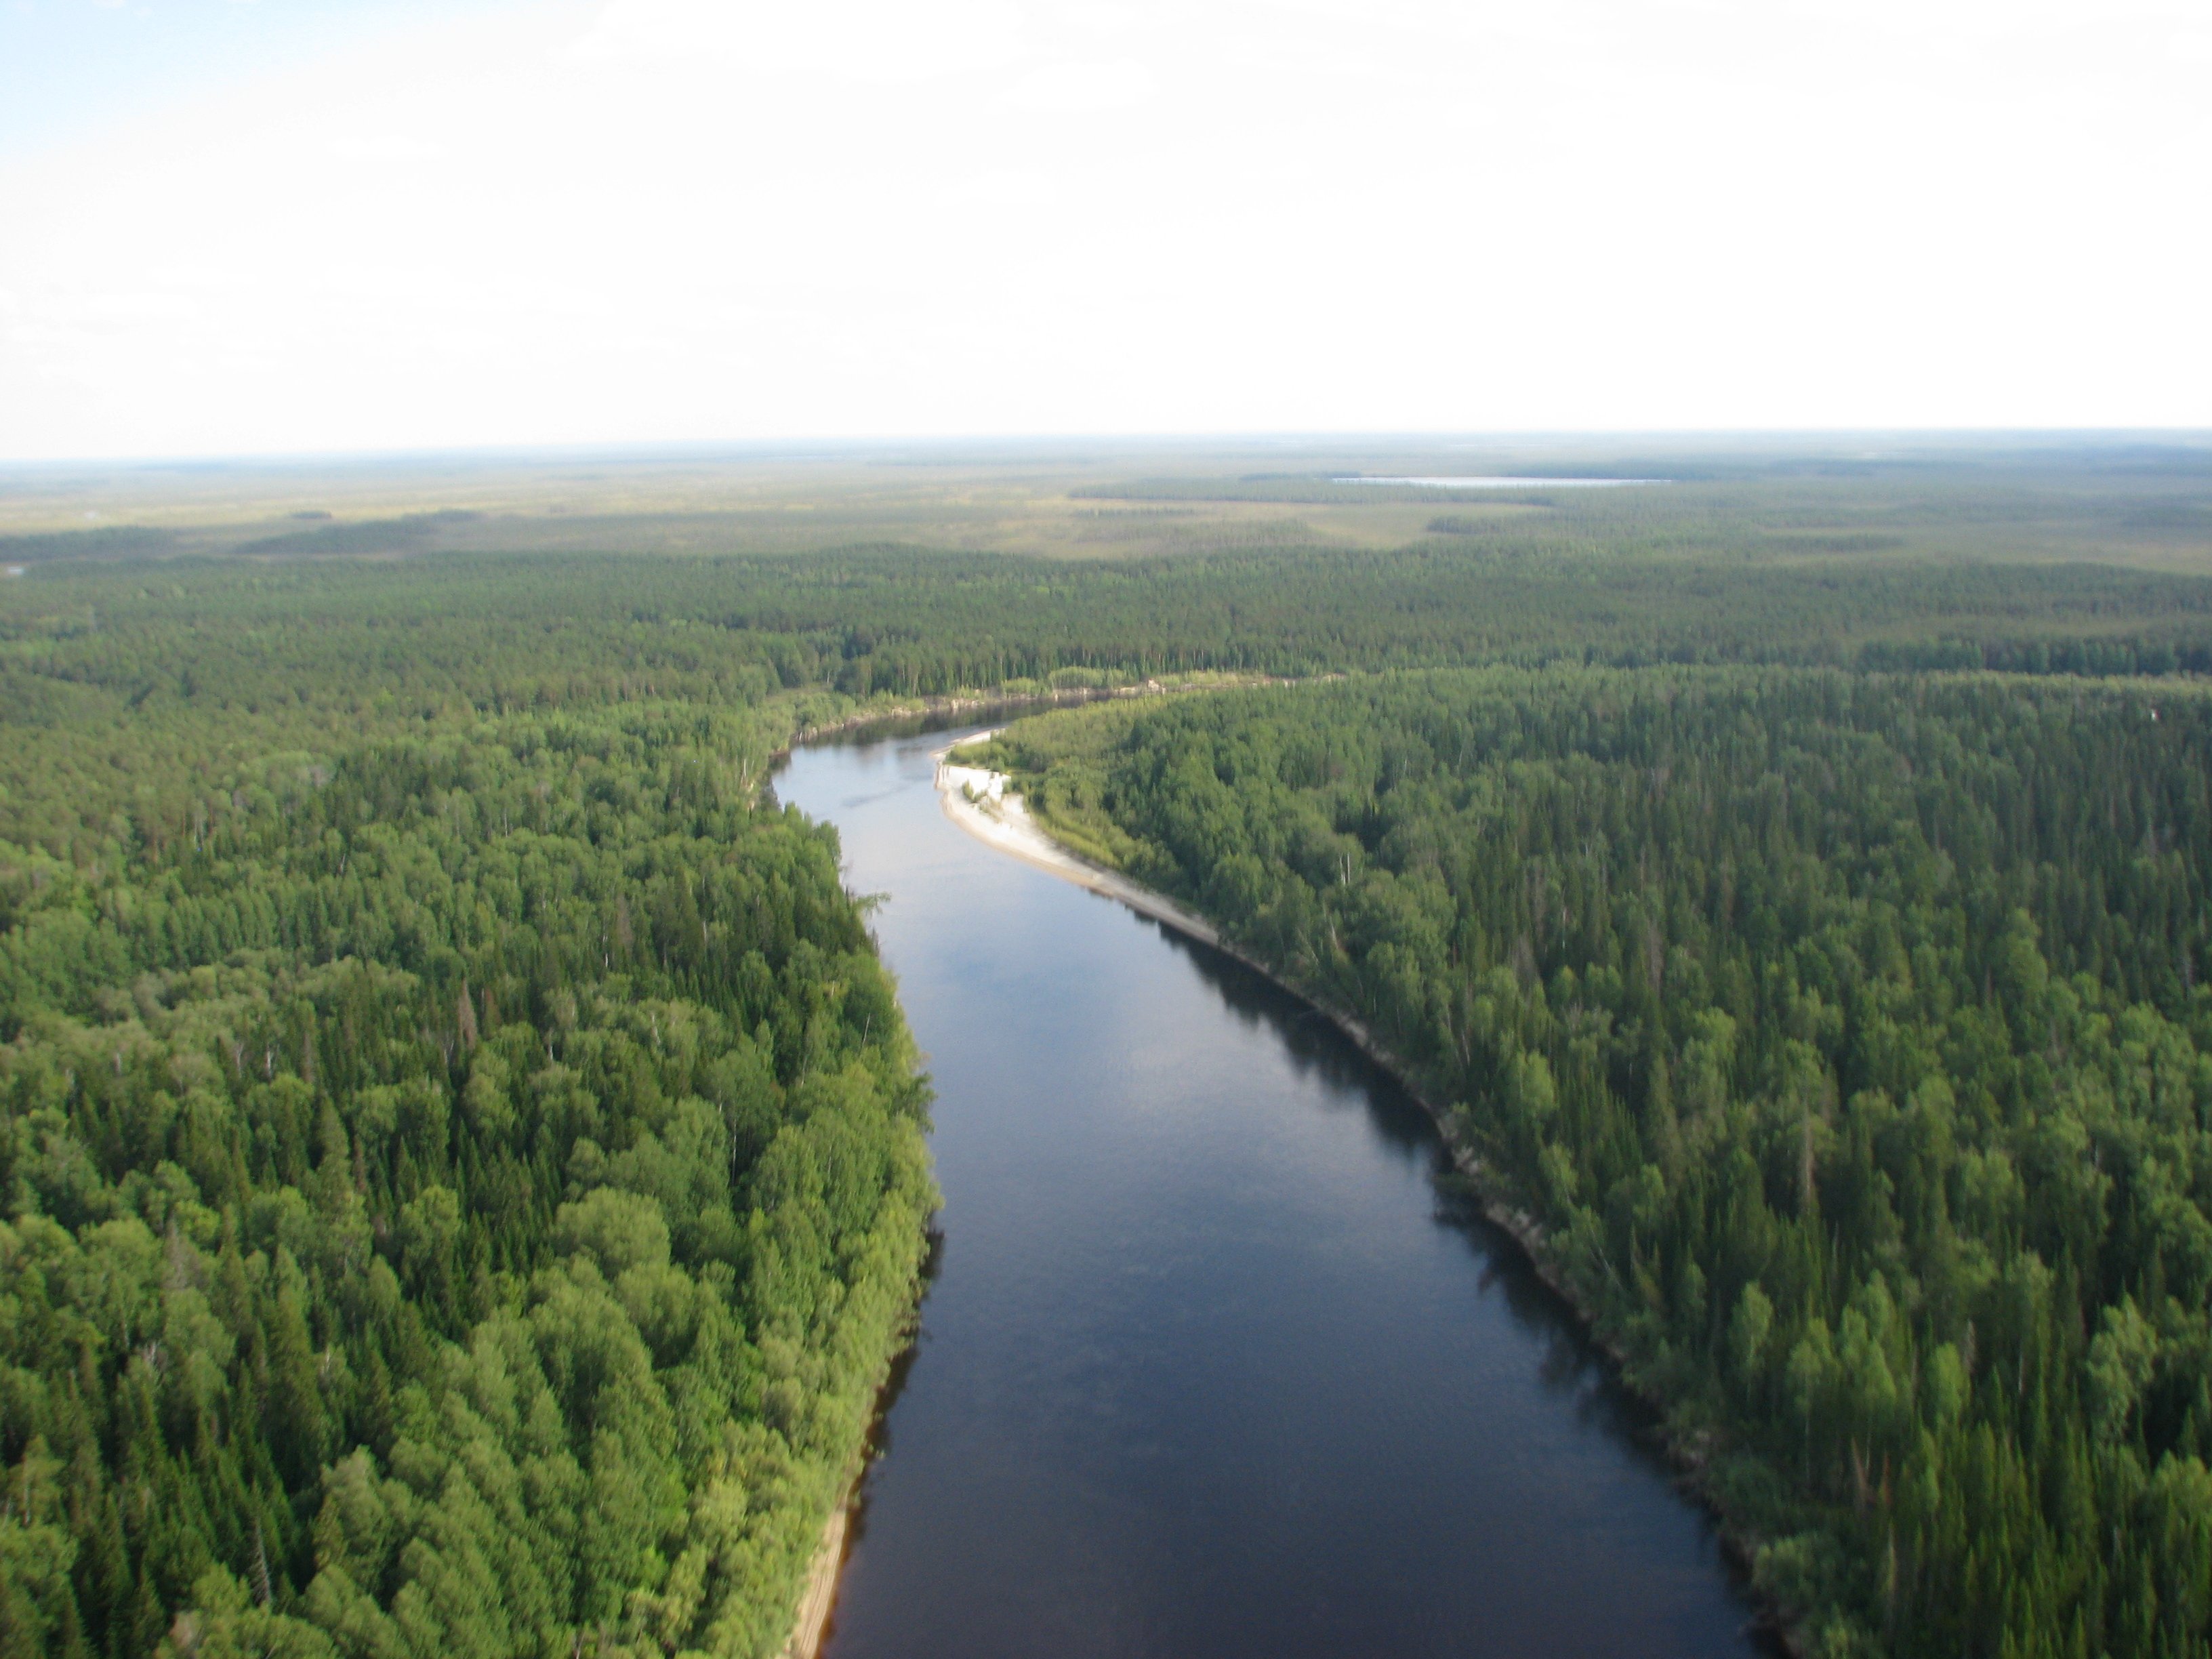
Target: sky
[262,227]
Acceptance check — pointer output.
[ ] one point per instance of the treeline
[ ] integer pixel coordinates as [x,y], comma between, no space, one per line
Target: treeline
[460,1199]
[2093,658]
[241,659]
[1850,1035]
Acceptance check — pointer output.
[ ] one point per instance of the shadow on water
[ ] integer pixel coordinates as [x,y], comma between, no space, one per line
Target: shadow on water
[1573,1367]
[877,1445]
[887,1396]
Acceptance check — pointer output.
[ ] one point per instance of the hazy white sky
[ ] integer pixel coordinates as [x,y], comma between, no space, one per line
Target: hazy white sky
[269,227]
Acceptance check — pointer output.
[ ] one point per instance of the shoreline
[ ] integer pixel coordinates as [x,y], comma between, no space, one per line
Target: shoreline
[950,704]
[825,1570]
[863,722]
[818,1591]
[1004,823]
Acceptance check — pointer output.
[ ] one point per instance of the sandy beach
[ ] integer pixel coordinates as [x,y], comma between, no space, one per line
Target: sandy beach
[976,800]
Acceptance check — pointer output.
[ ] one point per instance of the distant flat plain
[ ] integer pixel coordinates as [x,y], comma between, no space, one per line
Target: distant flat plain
[2143,500]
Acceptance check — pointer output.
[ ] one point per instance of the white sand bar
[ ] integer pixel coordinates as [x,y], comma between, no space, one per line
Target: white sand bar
[977,801]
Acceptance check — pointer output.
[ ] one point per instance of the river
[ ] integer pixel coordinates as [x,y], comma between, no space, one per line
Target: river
[1215,1361]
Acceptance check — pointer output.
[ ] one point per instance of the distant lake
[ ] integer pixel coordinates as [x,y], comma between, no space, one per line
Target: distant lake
[1220,1360]
[1506,484]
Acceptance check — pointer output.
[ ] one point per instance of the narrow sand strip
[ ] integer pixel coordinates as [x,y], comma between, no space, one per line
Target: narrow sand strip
[976,800]
[820,1592]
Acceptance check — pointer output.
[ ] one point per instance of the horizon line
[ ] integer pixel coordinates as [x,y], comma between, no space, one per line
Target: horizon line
[825,447]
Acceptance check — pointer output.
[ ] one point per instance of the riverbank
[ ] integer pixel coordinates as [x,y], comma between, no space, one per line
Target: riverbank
[891,715]
[975,800]
[819,1593]
[825,1571]
[876,718]
[817,1597]
[979,801]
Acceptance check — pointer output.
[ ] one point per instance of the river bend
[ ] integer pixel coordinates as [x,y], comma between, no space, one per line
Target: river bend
[1215,1361]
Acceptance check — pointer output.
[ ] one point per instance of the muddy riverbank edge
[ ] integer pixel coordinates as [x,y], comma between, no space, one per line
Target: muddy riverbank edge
[980,802]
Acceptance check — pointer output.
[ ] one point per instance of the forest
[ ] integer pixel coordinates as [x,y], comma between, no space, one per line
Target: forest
[466,1168]
[1850,1036]
[461,1203]
[462,1167]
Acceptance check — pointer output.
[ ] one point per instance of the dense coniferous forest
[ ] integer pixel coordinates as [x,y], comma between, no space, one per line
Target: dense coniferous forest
[459,1203]
[462,1169]
[1851,1038]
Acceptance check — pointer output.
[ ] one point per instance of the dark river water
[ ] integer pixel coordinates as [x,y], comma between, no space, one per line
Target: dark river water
[1213,1363]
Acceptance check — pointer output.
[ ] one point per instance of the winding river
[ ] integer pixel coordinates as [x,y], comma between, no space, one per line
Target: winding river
[1215,1361]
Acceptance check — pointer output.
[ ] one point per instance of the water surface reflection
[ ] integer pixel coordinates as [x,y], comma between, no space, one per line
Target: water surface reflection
[1217,1359]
